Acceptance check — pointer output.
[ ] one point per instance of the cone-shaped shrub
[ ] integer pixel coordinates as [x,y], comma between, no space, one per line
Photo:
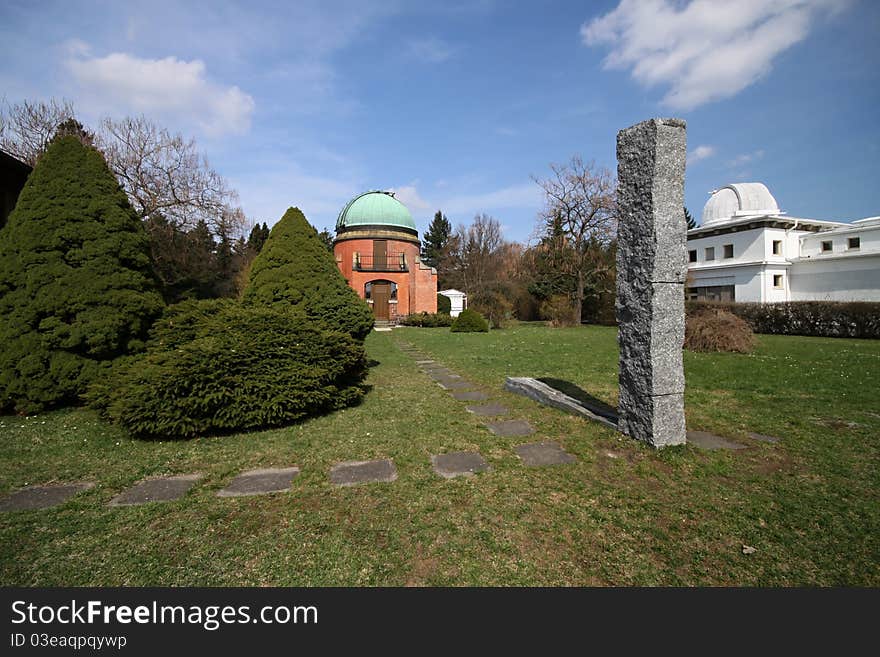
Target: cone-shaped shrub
[218,366]
[470,321]
[76,286]
[295,269]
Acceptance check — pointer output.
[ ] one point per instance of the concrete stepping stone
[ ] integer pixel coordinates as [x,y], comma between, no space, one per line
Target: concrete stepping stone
[42,497]
[706,440]
[763,438]
[548,453]
[488,410]
[455,384]
[459,464]
[424,361]
[350,473]
[156,489]
[470,395]
[442,373]
[511,428]
[260,482]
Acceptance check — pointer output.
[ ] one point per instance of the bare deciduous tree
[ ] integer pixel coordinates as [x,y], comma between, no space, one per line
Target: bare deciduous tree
[27,127]
[580,212]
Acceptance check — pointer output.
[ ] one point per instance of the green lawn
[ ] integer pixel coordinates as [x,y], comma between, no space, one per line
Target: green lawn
[623,514]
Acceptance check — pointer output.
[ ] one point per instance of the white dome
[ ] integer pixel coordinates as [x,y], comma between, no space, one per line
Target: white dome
[738,200]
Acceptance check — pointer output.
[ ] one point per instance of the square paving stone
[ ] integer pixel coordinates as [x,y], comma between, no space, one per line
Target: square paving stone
[157,489]
[424,362]
[259,482]
[455,384]
[458,464]
[488,410]
[536,454]
[470,395]
[42,497]
[510,428]
[442,374]
[706,440]
[763,438]
[350,473]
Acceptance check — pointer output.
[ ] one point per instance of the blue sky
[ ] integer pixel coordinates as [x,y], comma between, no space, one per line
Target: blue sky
[455,105]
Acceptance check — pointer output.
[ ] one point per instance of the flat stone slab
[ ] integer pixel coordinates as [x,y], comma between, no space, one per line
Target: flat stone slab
[488,410]
[424,362]
[260,482]
[459,464]
[511,428]
[42,497]
[442,374]
[706,440]
[470,395]
[455,384]
[549,396]
[350,473]
[549,453]
[763,438]
[156,489]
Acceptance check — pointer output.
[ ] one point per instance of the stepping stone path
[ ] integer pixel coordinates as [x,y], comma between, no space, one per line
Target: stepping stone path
[470,395]
[459,464]
[157,489]
[488,410]
[350,473]
[510,428]
[764,439]
[706,440]
[537,454]
[454,384]
[260,482]
[42,497]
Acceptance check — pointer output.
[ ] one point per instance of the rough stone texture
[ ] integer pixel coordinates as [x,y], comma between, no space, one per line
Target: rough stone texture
[706,440]
[544,394]
[350,473]
[510,428]
[651,270]
[454,384]
[260,482]
[537,454]
[470,395]
[42,497]
[763,438]
[488,410]
[457,464]
[158,489]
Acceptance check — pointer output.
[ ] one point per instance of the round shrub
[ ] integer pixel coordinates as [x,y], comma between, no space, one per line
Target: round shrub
[427,320]
[76,285]
[295,269]
[444,304]
[470,321]
[713,329]
[220,366]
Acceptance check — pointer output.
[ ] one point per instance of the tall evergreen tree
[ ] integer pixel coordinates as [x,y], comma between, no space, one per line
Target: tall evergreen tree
[258,237]
[327,238]
[76,286]
[435,240]
[296,269]
[691,222]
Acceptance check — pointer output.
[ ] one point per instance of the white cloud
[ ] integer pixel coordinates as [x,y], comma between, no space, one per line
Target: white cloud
[705,50]
[745,158]
[431,50]
[409,196]
[169,88]
[700,153]
[526,195]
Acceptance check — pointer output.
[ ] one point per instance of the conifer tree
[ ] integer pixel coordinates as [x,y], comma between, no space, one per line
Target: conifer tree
[76,286]
[294,268]
[435,240]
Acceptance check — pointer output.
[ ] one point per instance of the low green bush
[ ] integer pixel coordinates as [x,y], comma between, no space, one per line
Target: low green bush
[444,304]
[427,320]
[470,321]
[831,319]
[220,366]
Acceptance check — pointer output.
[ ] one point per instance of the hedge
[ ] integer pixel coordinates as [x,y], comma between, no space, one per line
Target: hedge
[830,319]
[427,320]
[444,304]
[470,321]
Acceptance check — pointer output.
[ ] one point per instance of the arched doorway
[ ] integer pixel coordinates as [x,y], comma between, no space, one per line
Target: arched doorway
[381,293]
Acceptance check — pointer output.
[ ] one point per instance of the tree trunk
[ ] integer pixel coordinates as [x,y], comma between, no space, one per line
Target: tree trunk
[579,300]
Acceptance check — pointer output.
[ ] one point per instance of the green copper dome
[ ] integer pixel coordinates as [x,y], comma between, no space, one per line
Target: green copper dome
[375,209]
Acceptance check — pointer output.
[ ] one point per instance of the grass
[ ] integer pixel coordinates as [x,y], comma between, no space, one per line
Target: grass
[622,515]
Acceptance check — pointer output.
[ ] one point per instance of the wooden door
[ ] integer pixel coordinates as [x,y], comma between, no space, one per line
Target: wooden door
[381,295]
[380,254]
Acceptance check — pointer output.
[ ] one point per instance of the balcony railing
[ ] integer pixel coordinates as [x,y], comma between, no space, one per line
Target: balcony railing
[389,262]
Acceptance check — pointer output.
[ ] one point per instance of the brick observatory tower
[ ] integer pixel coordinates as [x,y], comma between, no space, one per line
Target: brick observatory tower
[377,250]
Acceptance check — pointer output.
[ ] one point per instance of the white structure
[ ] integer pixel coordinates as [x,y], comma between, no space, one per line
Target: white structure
[458,300]
[746,249]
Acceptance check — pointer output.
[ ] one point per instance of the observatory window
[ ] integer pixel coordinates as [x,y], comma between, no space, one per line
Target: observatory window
[728,250]
[853,243]
[777,281]
[692,255]
[777,247]
[827,247]
[710,253]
